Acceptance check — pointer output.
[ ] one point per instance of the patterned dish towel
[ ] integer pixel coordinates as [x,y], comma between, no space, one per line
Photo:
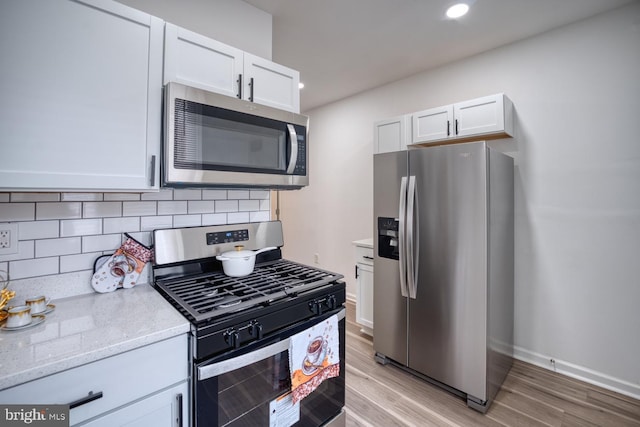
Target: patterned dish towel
[122,269]
[314,356]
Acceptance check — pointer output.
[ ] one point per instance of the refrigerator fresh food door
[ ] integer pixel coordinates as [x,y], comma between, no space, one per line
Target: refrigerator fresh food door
[389,305]
[447,318]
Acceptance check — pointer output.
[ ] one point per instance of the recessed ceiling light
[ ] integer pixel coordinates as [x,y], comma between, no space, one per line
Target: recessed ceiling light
[457,10]
[300,85]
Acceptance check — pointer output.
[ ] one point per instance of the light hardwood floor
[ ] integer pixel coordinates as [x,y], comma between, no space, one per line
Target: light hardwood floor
[530,396]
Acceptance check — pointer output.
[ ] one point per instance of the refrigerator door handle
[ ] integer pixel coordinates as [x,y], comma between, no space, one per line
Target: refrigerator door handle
[402,250]
[412,241]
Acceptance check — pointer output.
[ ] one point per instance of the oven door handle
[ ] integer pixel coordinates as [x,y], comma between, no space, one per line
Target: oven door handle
[215,369]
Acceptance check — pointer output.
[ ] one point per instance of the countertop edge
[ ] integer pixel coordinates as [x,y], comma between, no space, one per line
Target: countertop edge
[75,361]
[367,243]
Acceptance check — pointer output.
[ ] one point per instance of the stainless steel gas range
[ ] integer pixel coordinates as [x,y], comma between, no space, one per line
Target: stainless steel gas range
[241,326]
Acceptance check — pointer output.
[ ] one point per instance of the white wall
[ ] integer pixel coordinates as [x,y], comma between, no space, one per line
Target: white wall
[576,92]
[233,22]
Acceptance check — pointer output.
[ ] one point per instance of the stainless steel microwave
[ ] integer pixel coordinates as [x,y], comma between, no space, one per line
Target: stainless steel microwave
[213,140]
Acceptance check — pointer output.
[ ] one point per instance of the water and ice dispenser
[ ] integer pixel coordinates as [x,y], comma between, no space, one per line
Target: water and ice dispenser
[388,238]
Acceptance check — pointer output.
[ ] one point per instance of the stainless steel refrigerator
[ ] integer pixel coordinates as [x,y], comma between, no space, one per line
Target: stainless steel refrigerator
[444,266]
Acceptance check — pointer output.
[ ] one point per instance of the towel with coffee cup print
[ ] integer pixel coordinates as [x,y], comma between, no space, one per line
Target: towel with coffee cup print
[314,356]
[123,268]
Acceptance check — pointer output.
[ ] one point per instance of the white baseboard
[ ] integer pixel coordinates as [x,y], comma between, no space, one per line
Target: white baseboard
[351,297]
[578,372]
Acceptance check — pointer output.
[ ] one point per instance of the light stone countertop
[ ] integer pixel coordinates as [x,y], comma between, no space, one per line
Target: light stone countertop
[86,328]
[368,243]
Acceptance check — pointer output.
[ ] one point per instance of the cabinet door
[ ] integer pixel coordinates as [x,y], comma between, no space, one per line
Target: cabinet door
[364,295]
[432,124]
[479,116]
[164,409]
[391,134]
[198,61]
[81,96]
[271,84]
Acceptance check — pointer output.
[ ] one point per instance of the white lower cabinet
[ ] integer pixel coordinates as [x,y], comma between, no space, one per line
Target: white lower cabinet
[364,287]
[167,408]
[141,387]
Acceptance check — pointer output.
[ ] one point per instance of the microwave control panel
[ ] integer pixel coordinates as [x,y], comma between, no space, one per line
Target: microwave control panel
[227,237]
[301,161]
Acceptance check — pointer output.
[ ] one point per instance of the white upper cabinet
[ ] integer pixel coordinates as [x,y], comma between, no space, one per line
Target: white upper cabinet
[391,134]
[198,61]
[271,84]
[487,117]
[81,96]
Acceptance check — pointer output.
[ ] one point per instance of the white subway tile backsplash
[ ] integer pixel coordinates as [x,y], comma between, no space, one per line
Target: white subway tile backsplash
[238,194]
[214,194]
[121,225]
[237,217]
[60,210]
[150,223]
[25,251]
[33,267]
[164,194]
[214,219]
[102,209]
[260,194]
[187,221]
[56,247]
[79,262]
[32,230]
[259,216]
[187,194]
[139,208]
[17,212]
[226,206]
[35,197]
[106,242]
[121,196]
[80,227]
[204,206]
[81,197]
[68,231]
[249,205]
[172,208]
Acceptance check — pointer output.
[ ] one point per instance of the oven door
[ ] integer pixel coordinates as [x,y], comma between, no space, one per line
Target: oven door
[251,386]
[211,139]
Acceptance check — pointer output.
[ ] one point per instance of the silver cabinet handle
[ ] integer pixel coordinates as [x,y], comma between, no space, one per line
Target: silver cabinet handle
[293,157]
[179,402]
[412,240]
[86,399]
[402,212]
[152,180]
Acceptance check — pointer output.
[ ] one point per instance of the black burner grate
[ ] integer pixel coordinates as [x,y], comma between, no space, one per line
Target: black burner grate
[213,295]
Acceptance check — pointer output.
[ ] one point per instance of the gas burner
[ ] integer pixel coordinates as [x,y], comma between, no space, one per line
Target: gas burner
[212,295]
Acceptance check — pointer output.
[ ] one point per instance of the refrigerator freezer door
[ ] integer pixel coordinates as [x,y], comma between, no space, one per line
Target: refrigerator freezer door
[389,306]
[447,320]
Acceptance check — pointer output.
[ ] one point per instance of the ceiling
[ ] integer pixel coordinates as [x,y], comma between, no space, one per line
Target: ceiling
[342,47]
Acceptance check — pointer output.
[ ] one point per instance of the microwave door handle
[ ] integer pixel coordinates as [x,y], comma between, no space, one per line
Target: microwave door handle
[293,156]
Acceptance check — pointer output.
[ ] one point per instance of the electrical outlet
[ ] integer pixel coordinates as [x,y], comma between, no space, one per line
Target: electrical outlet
[316,258]
[8,238]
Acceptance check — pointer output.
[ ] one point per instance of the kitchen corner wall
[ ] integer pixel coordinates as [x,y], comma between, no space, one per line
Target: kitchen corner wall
[576,95]
[61,234]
